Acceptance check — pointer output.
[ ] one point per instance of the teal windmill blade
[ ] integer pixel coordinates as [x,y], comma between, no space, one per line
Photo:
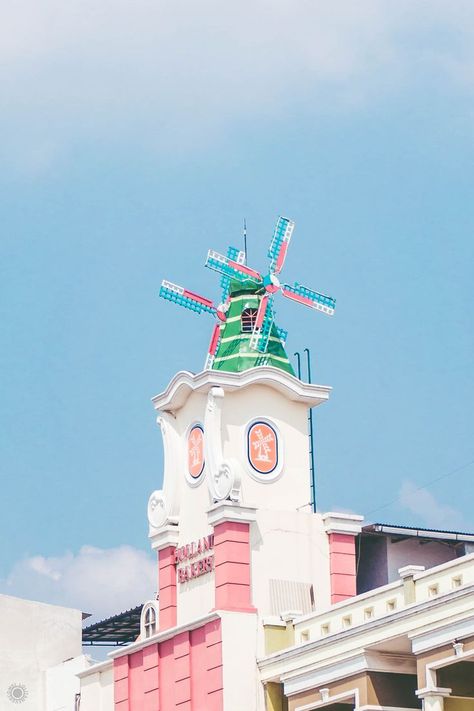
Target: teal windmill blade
[188,299]
[234,255]
[232,269]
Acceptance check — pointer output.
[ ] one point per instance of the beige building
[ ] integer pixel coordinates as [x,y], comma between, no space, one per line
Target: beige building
[406,644]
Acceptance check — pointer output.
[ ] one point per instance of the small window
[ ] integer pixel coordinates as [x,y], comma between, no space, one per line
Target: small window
[368,613]
[346,621]
[305,636]
[150,622]
[391,605]
[249,316]
[456,582]
[433,590]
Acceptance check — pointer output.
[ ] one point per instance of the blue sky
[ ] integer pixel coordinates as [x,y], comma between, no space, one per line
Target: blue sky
[134,136]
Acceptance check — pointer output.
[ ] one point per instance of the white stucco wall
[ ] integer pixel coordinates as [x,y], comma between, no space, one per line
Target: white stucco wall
[34,637]
[97,688]
[240,673]
[62,683]
[289,547]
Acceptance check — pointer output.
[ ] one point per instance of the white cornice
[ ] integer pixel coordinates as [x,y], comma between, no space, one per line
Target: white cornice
[163,537]
[229,511]
[314,678]
[96,668]
[164,635]
[350,524]
[185,383]
[442,634]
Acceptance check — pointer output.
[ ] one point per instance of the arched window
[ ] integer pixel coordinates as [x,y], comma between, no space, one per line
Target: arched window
[150,621]
[249,316]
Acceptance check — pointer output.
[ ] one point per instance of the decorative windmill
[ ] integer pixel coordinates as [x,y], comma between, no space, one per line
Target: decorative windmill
[245,334]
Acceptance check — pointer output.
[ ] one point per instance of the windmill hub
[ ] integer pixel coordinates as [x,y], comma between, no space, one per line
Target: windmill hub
[221,311]
[271,283]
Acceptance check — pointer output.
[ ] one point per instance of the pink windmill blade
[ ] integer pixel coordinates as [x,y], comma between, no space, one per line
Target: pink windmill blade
[310,298]
[213,346]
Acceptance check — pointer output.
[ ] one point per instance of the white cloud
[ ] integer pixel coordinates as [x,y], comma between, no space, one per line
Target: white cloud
[175,73]
[95,580]
[431,513]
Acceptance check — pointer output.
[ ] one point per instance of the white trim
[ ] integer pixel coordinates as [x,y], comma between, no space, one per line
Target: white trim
[409,571]
[230,511]
[245,297]
[95,669]
[423,533]
[185,383]
[315,678]
[166,536]
[273,621]
[149,605]
[435,691]
[433,667]
[456,562]
[255,354]
[443,634]
[163,636]
[350,524]
[248,336]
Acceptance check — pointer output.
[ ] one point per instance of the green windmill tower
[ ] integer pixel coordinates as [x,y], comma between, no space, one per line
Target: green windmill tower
[245,335]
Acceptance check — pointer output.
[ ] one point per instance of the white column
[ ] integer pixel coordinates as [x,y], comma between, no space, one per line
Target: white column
[433,699]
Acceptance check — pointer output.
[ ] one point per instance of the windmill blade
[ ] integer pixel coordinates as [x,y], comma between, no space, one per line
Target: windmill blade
[213,346]
[234,255]
[310,298]
[188,299]
[263,325]
[230,268]
[279,244]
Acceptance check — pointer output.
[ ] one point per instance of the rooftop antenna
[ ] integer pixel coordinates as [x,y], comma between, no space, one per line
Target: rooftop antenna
[245,240]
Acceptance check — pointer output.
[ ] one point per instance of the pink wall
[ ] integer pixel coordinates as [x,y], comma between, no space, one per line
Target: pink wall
[232,566]
[183,673]
[167,588]
[342,566]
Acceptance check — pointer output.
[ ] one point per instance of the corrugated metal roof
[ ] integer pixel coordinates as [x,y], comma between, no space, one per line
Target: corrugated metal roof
[418,532]
[117,630]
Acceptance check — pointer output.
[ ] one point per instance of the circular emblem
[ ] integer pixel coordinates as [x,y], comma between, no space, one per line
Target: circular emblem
[262,444]
[195,452]
[17,693]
